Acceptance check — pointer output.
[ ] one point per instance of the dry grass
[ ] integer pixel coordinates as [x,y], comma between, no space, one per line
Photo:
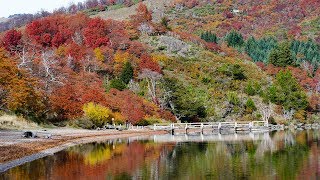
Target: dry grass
[15,122]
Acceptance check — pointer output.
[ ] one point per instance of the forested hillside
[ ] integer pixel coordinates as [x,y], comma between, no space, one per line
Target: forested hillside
[188,61]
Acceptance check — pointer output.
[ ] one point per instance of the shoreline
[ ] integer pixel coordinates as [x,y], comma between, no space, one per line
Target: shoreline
[57,146]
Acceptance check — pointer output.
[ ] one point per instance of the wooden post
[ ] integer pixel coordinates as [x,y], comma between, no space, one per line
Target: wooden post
[172,129]
[266,123]
[186,128]
[201,128]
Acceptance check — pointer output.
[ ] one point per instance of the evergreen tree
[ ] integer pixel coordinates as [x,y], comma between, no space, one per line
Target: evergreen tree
[234,39]
[260,49]
[127,73]
[281,56]
[117,84]
[209,37]
[306,51]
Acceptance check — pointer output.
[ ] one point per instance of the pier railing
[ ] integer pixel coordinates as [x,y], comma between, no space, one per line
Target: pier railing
[220,126]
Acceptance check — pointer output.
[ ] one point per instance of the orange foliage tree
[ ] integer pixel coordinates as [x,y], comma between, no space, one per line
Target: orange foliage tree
[67,101]
[19,92]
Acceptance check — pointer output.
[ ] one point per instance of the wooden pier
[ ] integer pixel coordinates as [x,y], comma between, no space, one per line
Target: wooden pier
[213,126]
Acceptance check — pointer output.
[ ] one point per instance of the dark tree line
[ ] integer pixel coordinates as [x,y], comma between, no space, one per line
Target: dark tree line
[294,52]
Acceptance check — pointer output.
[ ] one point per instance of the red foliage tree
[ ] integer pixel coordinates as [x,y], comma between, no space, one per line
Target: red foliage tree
[11,39]
[143,15]
[133,107]
[146,62]
[68,100]
[130,105]
[49,31]
[95,34]
[136,48]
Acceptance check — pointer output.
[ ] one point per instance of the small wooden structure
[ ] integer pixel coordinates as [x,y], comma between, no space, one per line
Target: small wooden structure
[213,126]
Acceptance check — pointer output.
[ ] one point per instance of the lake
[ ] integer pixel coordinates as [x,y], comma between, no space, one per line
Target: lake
[272,155]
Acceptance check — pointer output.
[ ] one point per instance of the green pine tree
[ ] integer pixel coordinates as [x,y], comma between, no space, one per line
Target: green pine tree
[234,39]
[127,73]
[281,56]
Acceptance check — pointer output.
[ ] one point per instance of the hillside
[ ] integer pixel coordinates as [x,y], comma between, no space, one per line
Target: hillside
[157,8]
[160,61]
[297,18]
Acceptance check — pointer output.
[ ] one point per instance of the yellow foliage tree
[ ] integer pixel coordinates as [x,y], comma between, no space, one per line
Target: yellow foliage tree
[160,58]
[61,51]
[118,117]
[120,58]
[98,114]
[98,54]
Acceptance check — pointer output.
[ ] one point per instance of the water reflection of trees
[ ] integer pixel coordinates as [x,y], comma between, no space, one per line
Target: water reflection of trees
[279,155]
[93,161]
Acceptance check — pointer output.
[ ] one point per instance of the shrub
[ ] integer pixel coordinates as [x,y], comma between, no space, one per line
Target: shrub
[84,123]
[98,114]
[149,120]
[118,118]
[250,106]
[253,88]
[272,121]
[233,98]
[233,70]
[206,80]
[250,90]
[300,115]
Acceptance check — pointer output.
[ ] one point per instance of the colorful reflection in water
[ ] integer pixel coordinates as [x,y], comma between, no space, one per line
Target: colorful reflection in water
[275,155]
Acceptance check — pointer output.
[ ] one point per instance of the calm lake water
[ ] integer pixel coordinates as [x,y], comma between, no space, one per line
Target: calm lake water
[274,155]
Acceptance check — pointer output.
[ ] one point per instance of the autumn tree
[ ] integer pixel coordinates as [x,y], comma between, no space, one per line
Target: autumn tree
[146,62]
[11,39]
[95,34]
[49,31]
[67,101]
[21,92]
[130,105]
[142,15]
